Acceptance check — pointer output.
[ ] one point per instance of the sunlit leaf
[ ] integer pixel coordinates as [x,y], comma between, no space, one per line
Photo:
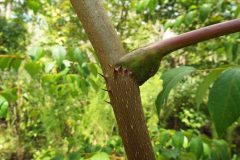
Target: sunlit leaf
[170,153]
[177,140]
[205,10]
[3,107]
[93,69]
[224,99]
[33,68]
[8,63]
[204,85]
[196,146]
[59,53]
[36,53]
[100,156]
[10,95]
[222,149]
[189,18]
[34,5]
[170,80]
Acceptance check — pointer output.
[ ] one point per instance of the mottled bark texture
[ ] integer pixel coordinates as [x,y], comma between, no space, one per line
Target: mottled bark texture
[122,87]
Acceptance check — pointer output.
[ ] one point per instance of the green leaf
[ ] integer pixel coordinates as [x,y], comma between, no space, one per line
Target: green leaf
[10,63]
[222,149]
[58,53]
[178,22]
[187,156]
[177,140]
[206,150]
[85,69]
[74,155]
[3,107]
[33,68]
[189,18]
[34,5]
[224,99]
[164,138]
[152,5]
[196,146]
[92,67]
[170,153]
[36,53]
[10,95]
[143,4]
[204,85]
[75,54]
[4,63]
[170,80]
[100,156]
[83,85]
[219,150]
[16,63]
[204,11]
[235,49]
[93,84]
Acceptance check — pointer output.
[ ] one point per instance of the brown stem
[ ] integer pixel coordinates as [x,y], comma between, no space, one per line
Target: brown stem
[151,55]
[10,56]
[122,88]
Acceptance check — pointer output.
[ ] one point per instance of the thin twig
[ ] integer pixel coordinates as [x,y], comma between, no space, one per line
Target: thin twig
[11,56]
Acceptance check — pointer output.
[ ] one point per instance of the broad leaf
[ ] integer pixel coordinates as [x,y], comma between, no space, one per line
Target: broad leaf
[100,156]
[219,150]
[204,11]
[36,53]
[34,5]
[170,80]
[189,18]
[177,140]
[224,104]
[58,53]
[222,149]
[33,68]
[3,107]
[204,85]
[92,67]
[178,21]
[196,146]
[10,95]
[170,153]
[76,55]
[8,63]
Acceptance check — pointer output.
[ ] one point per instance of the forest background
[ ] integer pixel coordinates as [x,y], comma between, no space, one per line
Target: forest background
[52,105]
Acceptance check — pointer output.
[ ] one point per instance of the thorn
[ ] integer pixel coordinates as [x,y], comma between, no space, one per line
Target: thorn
[105,77]
[101,75]
[130,73]
[107,102]
[125,70]
[107,90]
[120,68]
[110,66]
[116,69]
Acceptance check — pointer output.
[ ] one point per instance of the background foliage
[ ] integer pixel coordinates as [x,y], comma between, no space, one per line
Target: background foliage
[51,99]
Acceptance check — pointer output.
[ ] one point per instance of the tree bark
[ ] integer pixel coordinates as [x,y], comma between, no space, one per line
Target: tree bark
[121,86]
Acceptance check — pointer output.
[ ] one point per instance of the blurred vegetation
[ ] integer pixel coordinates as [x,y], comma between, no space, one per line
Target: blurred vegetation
[51,99]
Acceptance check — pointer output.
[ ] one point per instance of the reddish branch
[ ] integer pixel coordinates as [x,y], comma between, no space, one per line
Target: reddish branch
[154,52]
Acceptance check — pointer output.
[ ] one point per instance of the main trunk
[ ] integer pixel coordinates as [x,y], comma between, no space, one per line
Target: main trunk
[123,89]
